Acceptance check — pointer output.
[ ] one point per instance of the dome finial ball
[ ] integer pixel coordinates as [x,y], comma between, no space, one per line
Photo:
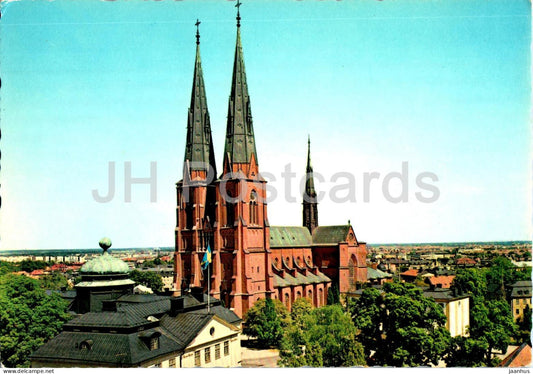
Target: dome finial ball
[105,243]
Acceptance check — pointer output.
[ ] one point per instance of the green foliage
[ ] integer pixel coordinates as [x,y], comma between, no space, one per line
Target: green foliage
[7,267]
[30,265]
[500,274]
[28,318]
[54,281]
[333,295]
[491,322]
[400,327]
[318,337]
[149,279]
[265,321]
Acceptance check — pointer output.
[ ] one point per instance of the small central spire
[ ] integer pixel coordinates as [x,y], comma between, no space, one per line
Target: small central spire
[238,6]
[309,166]
[197,24]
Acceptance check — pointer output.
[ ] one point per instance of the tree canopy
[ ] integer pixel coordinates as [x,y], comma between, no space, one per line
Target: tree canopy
[149,279]
[318,337]
[28,318]
[265,320]
[399,326]
[491,322]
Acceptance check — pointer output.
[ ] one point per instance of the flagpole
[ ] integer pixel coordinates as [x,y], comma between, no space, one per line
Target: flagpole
[208,284]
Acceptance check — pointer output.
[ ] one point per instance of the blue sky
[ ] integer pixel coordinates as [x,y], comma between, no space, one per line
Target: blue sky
[441,85]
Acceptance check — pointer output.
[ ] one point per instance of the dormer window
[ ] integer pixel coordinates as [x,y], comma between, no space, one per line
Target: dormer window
[151,339]
[85,345]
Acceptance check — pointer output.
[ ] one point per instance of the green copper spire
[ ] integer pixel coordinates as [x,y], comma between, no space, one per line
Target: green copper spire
[310,182]
[240,142]
[199,144]
[310,202]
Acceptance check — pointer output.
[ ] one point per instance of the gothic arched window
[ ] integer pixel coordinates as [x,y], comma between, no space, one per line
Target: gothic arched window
[253,208]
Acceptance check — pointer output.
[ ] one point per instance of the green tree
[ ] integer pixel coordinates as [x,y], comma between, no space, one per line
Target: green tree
[501,274]
[30,265]
[400,327]
[491,322]
[323,336]
[149,279]
[333,295]
[265,320]
[28,318]
[7,267]
[54,281]
[470,281]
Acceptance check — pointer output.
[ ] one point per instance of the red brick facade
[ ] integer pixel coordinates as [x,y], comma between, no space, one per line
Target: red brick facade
[250,259]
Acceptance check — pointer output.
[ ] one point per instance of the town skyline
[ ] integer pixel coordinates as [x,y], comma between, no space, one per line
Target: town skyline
[334,98]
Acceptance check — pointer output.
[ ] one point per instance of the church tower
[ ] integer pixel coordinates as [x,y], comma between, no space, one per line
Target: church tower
[310,203]
[195,210]
[242,271]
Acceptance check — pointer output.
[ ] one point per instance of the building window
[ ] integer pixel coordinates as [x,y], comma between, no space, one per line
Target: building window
[517,311]
[253,208]
[230,214]
[189,210]
[207,355]
[157,365]
[197,358]
[217,351]
[298,295]
[226,348]
[351,271]
[172,363]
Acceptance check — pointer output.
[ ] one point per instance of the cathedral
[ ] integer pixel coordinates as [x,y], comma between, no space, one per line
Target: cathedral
[227,213]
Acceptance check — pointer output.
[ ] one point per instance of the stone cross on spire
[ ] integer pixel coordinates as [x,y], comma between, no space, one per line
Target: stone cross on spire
[197,24]
[238,6]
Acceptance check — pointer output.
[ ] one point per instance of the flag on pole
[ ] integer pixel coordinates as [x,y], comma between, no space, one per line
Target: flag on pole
[207,258]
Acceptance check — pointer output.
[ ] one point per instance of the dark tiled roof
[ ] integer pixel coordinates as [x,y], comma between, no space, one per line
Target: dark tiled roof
[442,294]
[106,349]
[142,298]
[107,320]
[144,306]
[289,236]
[521,291]
[376,274]
[522,284]
[185,327]
[128,346]
[225,314]
[330,234]
[300,279]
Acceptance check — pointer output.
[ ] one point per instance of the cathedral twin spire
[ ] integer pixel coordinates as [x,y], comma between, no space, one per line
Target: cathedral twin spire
[240,141]
[199,154]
